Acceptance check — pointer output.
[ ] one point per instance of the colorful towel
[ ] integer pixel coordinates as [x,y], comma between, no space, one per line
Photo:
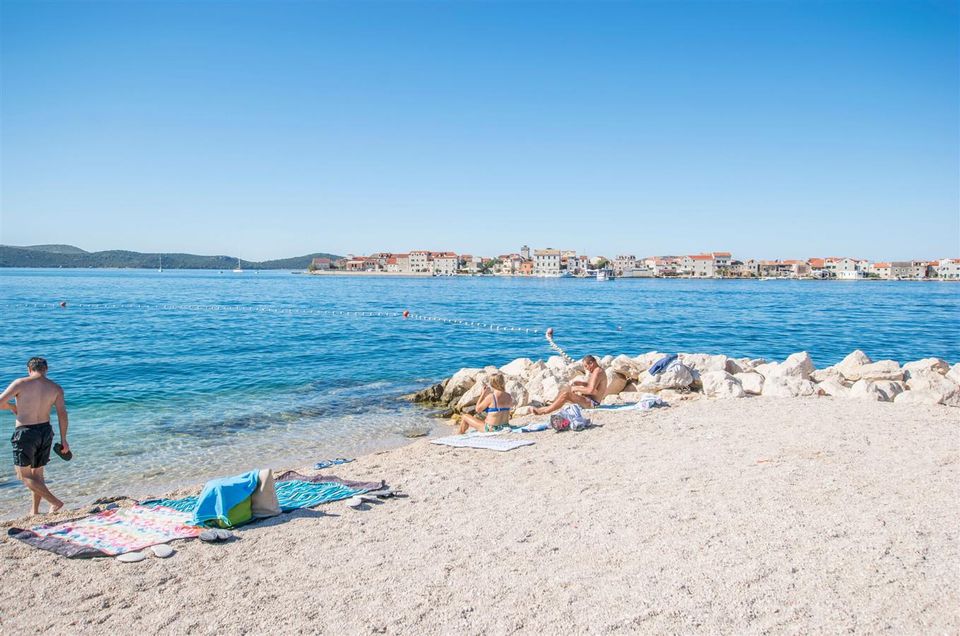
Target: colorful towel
[533,427]
[292,475]
[482,442]
[219,497]
[111,532]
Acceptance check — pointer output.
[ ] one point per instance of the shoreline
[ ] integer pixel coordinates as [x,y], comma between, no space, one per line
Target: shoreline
[709,516]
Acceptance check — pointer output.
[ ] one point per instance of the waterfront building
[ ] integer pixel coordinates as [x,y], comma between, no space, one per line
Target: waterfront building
[419,261]
[546,262]
[444,263]
[880,270]
[624,263]
[525,252]
[526,268]
[948,269]
[912,270]
[321,263]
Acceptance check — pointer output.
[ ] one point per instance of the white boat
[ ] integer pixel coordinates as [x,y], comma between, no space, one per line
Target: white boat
[602,275]
[239,269]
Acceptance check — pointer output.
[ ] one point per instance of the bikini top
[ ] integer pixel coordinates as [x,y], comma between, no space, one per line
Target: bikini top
[495,408]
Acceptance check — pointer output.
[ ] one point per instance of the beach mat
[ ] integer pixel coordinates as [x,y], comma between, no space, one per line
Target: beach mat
[484,442]
[294,491]
[110,532]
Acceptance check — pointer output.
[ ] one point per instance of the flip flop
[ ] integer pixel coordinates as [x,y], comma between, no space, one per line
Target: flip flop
[327,463]
[162,551]
[355,502]
[131,557]
[58,449]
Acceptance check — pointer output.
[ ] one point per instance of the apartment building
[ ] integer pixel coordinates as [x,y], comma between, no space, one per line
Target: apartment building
[419,261]
[948,268]
[880,270]
[546,262]
[624,263]
[908,270]
[444,263]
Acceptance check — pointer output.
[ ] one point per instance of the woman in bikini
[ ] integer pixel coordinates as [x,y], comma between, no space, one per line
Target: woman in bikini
[494,402]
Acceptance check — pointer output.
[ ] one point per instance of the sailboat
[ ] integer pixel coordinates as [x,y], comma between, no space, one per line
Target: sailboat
[161,264]
[239,269]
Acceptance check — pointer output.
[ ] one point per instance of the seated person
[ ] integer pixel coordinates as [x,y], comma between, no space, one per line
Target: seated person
[494,402]
[587,394]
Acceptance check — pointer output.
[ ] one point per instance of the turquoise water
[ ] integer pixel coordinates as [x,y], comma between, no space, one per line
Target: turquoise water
[165,397]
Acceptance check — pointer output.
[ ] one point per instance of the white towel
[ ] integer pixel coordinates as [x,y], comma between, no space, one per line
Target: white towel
[485,442]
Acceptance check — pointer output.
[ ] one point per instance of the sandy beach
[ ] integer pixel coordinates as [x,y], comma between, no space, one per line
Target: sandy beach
[756,515]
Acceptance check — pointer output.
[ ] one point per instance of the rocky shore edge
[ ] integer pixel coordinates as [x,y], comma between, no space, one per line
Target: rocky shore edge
[700,375]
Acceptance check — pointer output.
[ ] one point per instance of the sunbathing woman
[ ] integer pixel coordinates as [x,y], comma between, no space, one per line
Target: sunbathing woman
[494,402]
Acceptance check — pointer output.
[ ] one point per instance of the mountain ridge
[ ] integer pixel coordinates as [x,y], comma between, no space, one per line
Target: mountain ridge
[70,256]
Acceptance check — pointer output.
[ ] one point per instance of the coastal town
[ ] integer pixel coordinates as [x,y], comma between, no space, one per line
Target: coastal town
[557,263]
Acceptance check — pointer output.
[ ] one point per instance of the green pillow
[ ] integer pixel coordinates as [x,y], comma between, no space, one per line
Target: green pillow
[238,515]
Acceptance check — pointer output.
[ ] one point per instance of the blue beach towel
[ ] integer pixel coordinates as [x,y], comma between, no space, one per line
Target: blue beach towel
[291,495]
[220,496]
[661,365]
[534,427]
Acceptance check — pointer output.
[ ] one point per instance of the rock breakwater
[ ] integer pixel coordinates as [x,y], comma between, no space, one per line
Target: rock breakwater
[700,375]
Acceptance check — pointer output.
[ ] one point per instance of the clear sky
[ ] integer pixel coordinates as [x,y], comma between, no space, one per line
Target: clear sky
[269,129]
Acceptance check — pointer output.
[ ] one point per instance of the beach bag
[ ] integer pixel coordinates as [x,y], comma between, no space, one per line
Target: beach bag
[569,418]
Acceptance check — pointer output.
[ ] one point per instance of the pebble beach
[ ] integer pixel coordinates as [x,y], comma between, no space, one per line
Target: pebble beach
[757,515]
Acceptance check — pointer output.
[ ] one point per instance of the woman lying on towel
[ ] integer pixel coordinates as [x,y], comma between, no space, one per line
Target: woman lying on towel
[494,403]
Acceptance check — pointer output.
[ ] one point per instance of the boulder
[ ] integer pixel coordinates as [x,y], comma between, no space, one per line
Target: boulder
[676,376]
[460,383]
[625,366]
[918,396]
[738,365]
[788,386]
[556,363]
[518,368]
[523,410]
[890,388]
[954,373]
[757,361]
[704,362]
[751,382]
[430,394]
[798,365]
[615,382]
[630,397]
[926,365]
[849,367]
[825,374]
[833,386]
[605,361]
[882,370]
[544,388]
[646,360]
[864,389]
[947,391]
[631,387]
[469,399]
[720,384]
[571,372]
[518,392]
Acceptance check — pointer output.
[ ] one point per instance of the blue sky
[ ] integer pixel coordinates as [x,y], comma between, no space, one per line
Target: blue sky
[268,129]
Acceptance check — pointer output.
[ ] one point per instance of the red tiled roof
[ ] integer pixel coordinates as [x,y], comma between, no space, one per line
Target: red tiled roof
[702,257]
[878,265]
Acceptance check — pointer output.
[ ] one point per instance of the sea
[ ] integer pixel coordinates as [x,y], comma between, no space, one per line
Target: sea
[175,377]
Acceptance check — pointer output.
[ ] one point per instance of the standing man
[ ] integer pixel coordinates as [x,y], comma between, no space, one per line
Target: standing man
[33,436]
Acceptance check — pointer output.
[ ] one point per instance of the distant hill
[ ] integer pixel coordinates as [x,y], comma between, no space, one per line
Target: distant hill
[70,256]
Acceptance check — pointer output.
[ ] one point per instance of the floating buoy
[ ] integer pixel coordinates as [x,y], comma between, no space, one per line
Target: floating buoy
[406,314]
[63,304]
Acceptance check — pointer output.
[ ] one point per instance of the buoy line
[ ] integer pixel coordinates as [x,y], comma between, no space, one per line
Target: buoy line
[290,311]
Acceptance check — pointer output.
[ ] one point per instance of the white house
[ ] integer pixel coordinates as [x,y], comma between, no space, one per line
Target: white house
[546,262]
[948,269]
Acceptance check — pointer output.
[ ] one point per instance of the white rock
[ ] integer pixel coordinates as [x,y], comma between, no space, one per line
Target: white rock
[704,362]
[881,370]
[751,382]
[788,386]
[556,363]
[720,384]
[947,391]
[798,365]
[756,361]
[918,396]
[523,410]
[935,365]
[890,388]
[849,367]
[740,365]
[469,399]
[518,392]
[824,374]
[833,386]
[544,389]
[630,397]
[676,376]
[518,368]
[625,366]
[612,400]
[615,382]
[646,360]
[864,389]
[605,361]
[459,384]
[954,373]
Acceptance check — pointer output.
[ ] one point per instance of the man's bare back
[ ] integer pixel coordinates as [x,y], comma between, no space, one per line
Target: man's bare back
[36,396]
